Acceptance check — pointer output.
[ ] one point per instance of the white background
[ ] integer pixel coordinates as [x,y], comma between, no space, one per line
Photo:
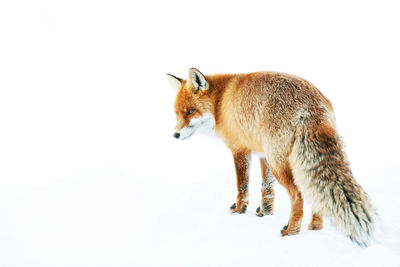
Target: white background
[89,172]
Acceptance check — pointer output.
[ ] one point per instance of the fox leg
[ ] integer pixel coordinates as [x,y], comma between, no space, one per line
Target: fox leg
[296,214]
[317,222]
[242,161]
[267,190]
[285,178]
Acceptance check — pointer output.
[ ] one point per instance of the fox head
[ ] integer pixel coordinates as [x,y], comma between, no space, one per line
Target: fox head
[193,106]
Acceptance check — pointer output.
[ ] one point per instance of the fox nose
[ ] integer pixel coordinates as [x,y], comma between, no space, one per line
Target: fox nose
[176,135]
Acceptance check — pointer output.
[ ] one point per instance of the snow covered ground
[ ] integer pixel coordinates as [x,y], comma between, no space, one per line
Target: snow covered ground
[90,174]
[112,218]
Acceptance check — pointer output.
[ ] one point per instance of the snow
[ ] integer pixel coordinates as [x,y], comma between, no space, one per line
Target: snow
[111,218]
[90,174]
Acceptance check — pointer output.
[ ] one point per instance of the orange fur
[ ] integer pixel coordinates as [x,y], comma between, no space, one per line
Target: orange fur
[288,120]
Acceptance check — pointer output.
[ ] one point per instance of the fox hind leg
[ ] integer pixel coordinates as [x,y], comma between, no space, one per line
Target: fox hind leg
[316,222]
[267,190]
[285,178]
[296,214]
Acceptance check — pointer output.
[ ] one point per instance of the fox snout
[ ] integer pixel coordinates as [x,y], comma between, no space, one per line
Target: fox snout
[178,129]
[186,128]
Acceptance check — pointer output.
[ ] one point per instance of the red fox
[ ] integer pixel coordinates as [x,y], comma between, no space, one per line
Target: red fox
[290,125]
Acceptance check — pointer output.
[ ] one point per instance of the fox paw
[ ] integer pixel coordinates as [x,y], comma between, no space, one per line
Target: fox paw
[315,226]
[260,212]
[286,231]
[317,222]
[238,208]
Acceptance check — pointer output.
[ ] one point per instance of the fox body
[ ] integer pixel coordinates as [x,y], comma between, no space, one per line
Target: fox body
[290,125]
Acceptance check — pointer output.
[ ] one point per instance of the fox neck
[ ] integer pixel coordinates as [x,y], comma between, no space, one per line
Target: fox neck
[218,84]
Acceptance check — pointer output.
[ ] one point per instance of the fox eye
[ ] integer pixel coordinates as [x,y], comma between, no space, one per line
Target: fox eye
[190,111]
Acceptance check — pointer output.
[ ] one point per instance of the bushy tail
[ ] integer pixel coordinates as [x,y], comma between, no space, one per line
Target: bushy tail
[323,174]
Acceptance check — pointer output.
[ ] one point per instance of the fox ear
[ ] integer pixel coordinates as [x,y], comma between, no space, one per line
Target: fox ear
[198,80]
[174,81]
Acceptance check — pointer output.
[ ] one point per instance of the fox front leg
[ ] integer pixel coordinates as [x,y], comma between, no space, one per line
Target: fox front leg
[242,161]
[267,190]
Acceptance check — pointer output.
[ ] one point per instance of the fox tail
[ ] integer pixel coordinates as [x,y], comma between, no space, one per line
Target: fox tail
[323,174]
